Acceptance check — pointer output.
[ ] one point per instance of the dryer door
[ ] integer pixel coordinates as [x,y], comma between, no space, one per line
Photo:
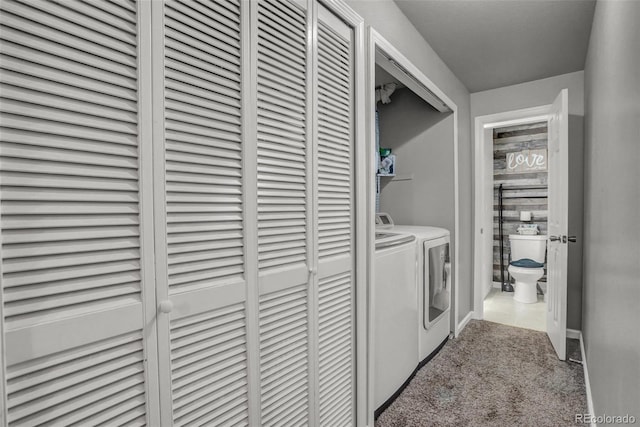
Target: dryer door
[437,290]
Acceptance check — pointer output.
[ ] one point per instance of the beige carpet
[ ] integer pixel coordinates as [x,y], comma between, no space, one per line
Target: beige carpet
[492,375]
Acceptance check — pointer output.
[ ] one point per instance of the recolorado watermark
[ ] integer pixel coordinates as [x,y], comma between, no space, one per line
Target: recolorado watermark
[605,419]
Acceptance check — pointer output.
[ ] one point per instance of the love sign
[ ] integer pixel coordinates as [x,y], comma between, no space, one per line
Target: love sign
[527,161]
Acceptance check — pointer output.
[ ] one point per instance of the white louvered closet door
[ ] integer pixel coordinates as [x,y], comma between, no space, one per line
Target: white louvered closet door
[74,276]
[176,212]
[283,211]
[335,227]
[199,212]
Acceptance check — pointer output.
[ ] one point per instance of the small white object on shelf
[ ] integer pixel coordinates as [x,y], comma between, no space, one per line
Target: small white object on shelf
[387,165]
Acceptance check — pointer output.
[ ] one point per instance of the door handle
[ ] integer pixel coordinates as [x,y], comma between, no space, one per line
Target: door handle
[572,239]
[554,238]
[166,306]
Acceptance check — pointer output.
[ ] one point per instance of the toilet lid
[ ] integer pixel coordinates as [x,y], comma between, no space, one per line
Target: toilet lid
[526,263]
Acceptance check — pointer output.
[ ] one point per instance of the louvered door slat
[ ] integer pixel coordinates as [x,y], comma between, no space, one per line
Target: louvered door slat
[270,91]
[208,15]
[81,38]
[71,51]
[105,26]
[131,413]
[119,13]
[45,92]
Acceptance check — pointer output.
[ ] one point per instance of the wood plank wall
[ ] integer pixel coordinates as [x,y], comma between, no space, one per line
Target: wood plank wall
[507,140]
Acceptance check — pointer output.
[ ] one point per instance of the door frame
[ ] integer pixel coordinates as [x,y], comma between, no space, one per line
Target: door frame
[483,175]
[377,42]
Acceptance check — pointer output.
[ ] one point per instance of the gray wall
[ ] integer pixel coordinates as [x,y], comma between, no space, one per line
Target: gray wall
[530,94]
[542,92]
[612,202]
[386,18]
[421,139]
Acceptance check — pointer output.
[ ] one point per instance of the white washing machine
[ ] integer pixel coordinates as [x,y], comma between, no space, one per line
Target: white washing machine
[394,313]
[433,277]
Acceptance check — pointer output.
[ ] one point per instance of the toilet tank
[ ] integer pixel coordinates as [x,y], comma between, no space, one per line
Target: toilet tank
[532,247]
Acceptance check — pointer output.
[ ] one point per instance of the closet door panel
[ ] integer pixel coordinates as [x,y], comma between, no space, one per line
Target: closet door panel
[208,367]
[201,215]
[283,204]
[336,351]
[72,275]
[203,150]
[335,145]
[335,201]
[284,372]
[282,145]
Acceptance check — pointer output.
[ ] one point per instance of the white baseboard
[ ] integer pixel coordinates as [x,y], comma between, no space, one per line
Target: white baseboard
[587,384]
[497,285]
[463,323]
[574,334]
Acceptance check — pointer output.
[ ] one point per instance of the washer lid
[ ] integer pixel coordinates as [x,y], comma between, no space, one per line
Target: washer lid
[422,231]
[387,240]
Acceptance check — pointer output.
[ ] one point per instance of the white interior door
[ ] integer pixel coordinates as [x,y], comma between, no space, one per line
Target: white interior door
[335,212]
[487,228]
[285,256]
[77,285]
[557,223]
[200,211]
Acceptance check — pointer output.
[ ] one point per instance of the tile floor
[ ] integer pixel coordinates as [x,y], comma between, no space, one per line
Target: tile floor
[499,307]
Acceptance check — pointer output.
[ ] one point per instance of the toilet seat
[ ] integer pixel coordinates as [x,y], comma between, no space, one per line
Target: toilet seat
[526,280]
[526,263]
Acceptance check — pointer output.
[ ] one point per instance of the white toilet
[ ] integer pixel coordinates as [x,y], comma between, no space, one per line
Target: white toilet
[527,265]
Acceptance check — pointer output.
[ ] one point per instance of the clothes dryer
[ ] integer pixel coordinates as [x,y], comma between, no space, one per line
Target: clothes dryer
[433,275]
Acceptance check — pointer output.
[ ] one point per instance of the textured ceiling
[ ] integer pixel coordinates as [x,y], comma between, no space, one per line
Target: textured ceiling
[496,43]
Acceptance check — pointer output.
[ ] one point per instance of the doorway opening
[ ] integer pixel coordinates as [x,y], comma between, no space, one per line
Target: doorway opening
[386,62]
[553,243]
[485,194]
[519,224]
[419,115]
